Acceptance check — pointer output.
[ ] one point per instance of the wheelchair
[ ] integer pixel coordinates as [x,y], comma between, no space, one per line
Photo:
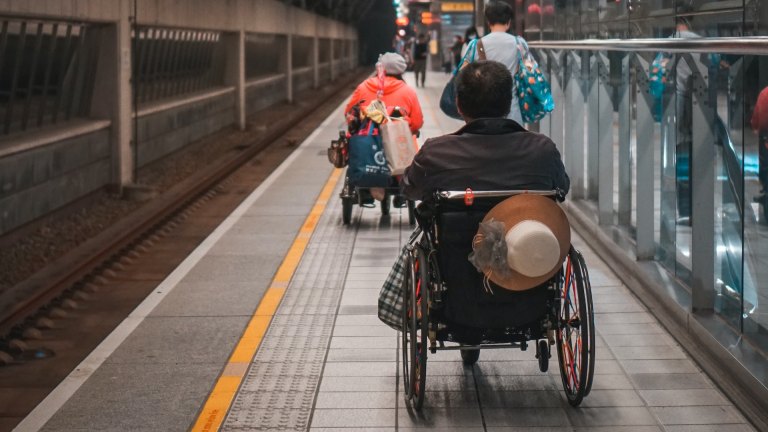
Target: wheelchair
[352,195]
[446,301]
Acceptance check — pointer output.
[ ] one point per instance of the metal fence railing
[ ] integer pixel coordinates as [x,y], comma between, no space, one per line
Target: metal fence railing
[45,70]
[171,62]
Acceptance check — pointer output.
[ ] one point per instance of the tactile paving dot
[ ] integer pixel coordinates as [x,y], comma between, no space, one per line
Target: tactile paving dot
[279,388]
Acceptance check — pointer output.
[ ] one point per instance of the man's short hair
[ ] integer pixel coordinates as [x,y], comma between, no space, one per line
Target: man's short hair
[498,12]
[484,90]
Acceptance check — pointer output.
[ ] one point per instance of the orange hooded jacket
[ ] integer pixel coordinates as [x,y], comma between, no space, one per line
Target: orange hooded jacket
[396,93]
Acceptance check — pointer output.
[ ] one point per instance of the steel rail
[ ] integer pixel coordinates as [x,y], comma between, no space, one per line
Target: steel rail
[755,45]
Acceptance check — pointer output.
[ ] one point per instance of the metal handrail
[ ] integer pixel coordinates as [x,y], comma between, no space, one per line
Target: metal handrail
[495,193]
[755,45]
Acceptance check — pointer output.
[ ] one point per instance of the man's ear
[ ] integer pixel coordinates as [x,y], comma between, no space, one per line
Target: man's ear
[458,108]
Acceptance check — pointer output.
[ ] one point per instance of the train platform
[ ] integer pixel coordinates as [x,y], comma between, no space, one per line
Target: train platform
[270,324]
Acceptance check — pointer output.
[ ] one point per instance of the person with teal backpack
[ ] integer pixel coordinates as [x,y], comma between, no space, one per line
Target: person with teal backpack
[532,99]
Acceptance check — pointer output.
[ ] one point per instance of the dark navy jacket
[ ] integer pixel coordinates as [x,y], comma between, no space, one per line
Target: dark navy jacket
[486,154]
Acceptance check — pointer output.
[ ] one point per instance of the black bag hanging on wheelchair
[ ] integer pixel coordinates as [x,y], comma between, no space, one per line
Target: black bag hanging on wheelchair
[338,154]
[367,164]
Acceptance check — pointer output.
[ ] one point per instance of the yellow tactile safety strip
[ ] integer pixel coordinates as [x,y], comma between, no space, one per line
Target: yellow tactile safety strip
[219,400]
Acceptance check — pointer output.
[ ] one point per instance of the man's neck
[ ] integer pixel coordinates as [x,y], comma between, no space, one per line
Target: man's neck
[499,28]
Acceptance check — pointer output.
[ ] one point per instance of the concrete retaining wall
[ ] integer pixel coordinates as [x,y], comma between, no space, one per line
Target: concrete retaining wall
[36,182]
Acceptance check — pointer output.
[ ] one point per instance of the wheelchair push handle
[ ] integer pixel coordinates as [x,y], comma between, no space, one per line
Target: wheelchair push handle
[450,195]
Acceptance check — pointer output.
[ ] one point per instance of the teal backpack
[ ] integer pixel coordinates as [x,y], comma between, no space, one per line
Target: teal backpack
[533,92]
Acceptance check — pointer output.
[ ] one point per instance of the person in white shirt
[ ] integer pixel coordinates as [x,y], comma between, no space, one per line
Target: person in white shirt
[503,47]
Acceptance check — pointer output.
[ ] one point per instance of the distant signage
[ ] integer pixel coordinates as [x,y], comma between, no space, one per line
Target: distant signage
[457,7]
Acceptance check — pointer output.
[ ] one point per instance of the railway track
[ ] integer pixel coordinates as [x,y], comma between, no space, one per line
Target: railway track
[61,311]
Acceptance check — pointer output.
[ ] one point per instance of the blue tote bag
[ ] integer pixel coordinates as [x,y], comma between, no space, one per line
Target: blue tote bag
[367,164]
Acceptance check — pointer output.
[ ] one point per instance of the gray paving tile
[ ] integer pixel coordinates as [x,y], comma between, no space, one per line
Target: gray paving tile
[357,384]
[638,340]
[697,415]
[449,399]
[359,297]
[365,369]
[710,428]
[612,398]
[665,398]
[529,417]
[351,429]
[652,352]
[491,398]
[630,329]
[358,310]
[356,400]
[363,284]
[353,417]
[364,354]
[618,429]
[358,320]
[611,382]
[659,366]
[603,367]
[518,367]
[669,381]
[611,416]
[608,319]
[602,308]
[234,268]
[449,383]
[516,382]
[369,331]
[530,429]
[342,342]
[181,340]
[440,418]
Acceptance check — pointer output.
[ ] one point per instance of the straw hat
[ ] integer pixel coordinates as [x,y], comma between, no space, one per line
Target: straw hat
[522,242]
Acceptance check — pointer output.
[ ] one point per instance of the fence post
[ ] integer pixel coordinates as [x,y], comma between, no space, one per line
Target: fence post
[316,61]
[289,67]
[235,72]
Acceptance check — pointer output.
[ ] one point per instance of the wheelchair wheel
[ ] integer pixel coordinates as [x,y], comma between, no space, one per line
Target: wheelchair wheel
[470,357]
[592,337]
[415,329]
[575,334]
[346,210]
[543,354]
[412,213]
[385,205]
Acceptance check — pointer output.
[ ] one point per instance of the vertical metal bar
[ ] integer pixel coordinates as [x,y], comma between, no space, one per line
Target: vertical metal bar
[77,75]
[289,67]
[63,66]
[170,69]
[625,155]
[702,181]
[196,56]
[574,119]
[205,62]
[143,46]
[47,74]
[644,211]
[153,41]
[32,75]
[162,62]
[605,141]
[557,68]
[15,79]
[593,121]
[3,45]
[178,68]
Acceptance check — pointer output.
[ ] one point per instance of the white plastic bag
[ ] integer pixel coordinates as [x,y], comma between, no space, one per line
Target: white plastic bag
[399,144]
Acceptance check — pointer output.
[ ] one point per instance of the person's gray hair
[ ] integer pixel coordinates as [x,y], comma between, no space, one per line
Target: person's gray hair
[394,64]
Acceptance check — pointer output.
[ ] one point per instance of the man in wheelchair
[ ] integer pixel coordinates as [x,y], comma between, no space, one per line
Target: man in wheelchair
[490,152]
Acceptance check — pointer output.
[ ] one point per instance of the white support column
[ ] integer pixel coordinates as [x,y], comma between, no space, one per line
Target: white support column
[557,116]
[593,122]
[235,73]
[604,141]
[645,209]
[625,155]
[316,62]
[289,67]
[573,144]
[121,124]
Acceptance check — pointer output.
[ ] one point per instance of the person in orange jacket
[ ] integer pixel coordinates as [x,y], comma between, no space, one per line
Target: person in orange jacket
[396,93]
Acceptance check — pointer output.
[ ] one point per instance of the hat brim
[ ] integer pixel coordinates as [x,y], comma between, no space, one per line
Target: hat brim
[540,208]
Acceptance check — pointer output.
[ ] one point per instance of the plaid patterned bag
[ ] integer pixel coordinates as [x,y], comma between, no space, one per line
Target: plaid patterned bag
[391,294]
